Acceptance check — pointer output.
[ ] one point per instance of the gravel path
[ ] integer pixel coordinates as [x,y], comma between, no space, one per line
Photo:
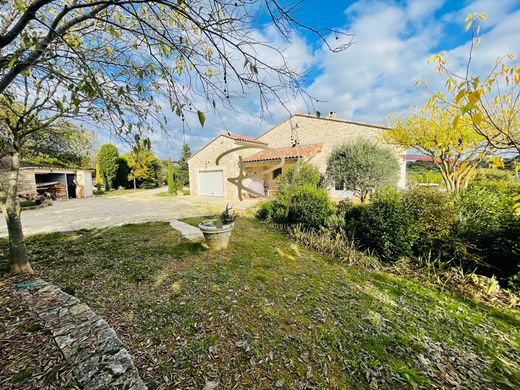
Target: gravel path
[105,211]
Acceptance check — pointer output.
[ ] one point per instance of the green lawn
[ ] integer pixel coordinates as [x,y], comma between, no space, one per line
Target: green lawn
[121,192]
[267,314]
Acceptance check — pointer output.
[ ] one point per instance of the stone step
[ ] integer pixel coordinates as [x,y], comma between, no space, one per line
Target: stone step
[187,231]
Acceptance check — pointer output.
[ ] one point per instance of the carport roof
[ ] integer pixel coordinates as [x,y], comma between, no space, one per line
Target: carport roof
[289,153]
[53,169]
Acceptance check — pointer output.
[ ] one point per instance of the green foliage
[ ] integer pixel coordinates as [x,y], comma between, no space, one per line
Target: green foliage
[363,166]
[428,177]
[27,203]
[123,170]
[271,211]
[513,282]
[98,177]
[144,167]
[108,160]
[433,215]
[310,207]
[486,219]
[171,183]
[386,226]
[184,171]
[491,175]
[308,175]
[63,144]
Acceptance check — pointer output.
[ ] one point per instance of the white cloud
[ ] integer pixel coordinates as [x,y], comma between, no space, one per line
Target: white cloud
[374,77]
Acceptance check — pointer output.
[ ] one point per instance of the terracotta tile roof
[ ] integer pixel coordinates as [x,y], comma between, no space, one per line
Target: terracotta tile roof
[277,154]
[242,138]
[409,157]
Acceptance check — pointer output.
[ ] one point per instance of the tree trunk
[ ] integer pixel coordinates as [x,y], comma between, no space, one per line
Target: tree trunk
[18,259]
[134,184]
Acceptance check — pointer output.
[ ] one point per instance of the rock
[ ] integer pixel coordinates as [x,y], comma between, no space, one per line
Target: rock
[87,340]
[78,309]
[279,383]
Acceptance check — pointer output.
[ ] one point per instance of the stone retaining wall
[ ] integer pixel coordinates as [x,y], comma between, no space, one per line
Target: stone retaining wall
[86,340]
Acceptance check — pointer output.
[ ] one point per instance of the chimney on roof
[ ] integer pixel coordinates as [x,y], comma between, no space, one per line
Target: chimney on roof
[332,115]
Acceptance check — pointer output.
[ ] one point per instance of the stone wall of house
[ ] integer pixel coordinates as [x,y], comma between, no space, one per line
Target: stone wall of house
[330,133]
[26,181]
[205,160]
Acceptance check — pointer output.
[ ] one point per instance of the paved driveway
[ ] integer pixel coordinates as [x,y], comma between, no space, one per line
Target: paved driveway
[103,211]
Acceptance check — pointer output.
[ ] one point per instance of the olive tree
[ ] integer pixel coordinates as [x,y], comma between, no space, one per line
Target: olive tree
[363,166]
[120,63]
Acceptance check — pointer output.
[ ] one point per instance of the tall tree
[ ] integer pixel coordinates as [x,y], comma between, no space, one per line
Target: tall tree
[455,148]
[64,144]
[363,166]
[184,170]
[108,159]
[98,177]
[116,62]
[171,183]
[144,166]
[490,104]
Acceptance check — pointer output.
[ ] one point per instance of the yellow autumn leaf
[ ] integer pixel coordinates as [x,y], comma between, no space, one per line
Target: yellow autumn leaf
[460,95]
[483,17]
[455,122]
[468,25]
[474,97]
[477,119]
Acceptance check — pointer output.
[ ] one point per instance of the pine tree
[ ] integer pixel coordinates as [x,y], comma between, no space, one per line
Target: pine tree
[184,173]
[108,157]
[171,184]
[98,177]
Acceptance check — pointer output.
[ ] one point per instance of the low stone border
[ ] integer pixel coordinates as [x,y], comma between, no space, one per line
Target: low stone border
[187,231]
[85,339]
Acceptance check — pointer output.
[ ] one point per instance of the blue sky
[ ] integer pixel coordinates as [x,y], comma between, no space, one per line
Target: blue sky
[375,76]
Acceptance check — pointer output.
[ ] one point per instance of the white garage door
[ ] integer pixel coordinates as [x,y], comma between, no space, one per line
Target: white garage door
[211,183]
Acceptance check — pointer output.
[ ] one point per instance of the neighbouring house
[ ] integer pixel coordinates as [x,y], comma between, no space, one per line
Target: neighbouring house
[300,136]
[60,182]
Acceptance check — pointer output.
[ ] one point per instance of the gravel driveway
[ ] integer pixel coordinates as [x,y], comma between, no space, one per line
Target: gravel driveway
[104,211]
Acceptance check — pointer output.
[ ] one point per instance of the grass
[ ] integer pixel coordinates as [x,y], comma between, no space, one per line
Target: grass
[125,191]
[166,193]
[267,312]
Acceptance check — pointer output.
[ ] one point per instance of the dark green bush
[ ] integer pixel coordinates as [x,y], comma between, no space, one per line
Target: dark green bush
[27,203]
[485,219]
[433,214]
[384,226]
[264,210]
[308,175]
[148,185]
[271,211]
[310,207]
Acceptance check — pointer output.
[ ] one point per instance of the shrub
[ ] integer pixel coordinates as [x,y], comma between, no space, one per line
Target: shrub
[486,175]
[429,177]
[363,166]
[271,211]
[308,175]
[384,226]
[434,218]
[310,207]
[147,185]
[485,218]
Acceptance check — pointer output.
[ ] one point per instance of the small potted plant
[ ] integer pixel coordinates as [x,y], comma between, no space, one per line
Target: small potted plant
[217,231]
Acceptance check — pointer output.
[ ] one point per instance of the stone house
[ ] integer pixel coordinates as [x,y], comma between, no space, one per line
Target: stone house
[263,158]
